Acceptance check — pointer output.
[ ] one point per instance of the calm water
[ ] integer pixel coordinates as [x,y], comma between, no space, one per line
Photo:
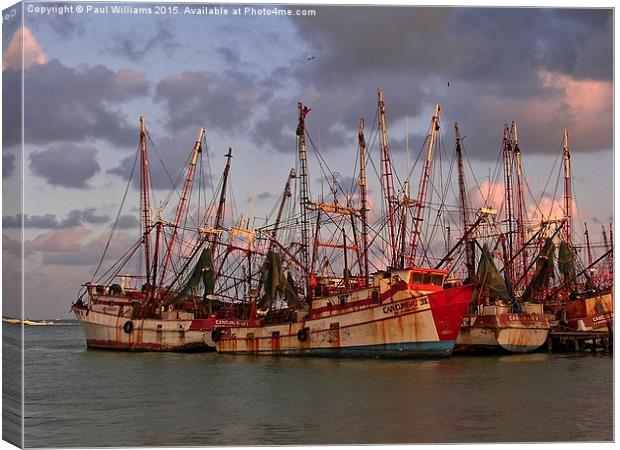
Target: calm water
[76,397]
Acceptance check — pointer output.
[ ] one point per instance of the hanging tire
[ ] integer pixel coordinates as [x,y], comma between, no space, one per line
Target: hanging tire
[216,334]
[128,327]
[302,335]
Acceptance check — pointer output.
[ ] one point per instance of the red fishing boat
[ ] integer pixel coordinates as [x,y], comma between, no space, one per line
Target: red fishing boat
[402,311]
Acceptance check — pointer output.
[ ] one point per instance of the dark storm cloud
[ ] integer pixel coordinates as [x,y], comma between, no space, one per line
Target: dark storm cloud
[65,164]
[485,66]
[265,195]
[519,40]
[168,154]
[276,129]
[69,104]
[84,216]
[492,43]
[229,56]
[64,26]
[223,101]
[136,46]
[45,221]
[74,218]
[127,222]
[8,165]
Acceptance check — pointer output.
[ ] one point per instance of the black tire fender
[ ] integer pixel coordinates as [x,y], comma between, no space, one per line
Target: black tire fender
[303,334]
[216,334]
[128,327]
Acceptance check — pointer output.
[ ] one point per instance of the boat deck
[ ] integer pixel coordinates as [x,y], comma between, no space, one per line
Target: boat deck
[594,341]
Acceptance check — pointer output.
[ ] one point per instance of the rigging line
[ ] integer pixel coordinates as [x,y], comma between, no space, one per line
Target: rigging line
[207,153]
[173,183]
[427,219]
[471,169]
[555,192]
[320,158]
[118,214]
[544,191]
[118,265]
[174,189]
[417,160]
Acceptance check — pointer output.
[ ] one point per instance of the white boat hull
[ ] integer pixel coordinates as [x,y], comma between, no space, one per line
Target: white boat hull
[514,333]
[406,327]
[110,331]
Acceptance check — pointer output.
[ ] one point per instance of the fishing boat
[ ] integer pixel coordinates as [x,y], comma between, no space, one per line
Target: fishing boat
[171,306]
[498,321]
[589,311]
[391,318]
[586,305]
[401,311]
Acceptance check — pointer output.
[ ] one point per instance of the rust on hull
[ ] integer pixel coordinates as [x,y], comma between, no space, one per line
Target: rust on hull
[501,331]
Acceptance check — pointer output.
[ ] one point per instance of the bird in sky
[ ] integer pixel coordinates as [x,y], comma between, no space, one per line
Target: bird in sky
[311,58]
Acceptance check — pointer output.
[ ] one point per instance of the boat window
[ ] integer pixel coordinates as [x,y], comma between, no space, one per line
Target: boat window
[438,280]
[417,278]
[427,278]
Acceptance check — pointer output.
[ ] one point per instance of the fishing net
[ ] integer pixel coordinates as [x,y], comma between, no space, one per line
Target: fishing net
[276,284]
[489,277]
[203,273]
[544,270]
[566,264]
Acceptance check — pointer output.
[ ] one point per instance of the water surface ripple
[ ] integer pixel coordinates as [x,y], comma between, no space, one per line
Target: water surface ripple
[80,398]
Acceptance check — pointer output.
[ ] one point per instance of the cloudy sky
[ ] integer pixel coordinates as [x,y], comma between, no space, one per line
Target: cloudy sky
[88,78]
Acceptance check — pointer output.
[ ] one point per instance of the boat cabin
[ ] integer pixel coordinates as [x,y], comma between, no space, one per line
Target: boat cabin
[426,280]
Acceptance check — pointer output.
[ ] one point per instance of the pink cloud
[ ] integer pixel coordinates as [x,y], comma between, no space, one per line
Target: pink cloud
[32,51]
[549,209]
[490,195]
[58,241]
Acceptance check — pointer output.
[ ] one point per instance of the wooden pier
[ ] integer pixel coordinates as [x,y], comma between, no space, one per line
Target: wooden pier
[579,341]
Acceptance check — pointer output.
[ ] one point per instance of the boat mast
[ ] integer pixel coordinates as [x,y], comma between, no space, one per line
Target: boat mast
[520,202]
[508,195]
[387,180]
[345,273]
[588,247]
[568,219]
[403,225]
[219,215]
[182,202]
[285,195]
[145,183]
[158,225]
[470,262]
[419,206]
[364,209]
[606,243]
[305,200]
